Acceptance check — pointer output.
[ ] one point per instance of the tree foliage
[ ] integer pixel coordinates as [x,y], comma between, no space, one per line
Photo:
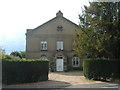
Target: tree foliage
[16,54]
[7,56]
[2,52]
[99,33]
[23,54]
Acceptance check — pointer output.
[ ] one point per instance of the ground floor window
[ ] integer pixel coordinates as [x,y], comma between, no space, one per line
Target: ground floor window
[75,62]
[43,56]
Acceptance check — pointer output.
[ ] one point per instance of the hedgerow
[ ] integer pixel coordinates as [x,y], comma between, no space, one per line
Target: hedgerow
[22,71]
[101,69]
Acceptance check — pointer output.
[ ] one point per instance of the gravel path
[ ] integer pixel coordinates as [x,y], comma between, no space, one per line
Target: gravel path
[72,78]
[76,79]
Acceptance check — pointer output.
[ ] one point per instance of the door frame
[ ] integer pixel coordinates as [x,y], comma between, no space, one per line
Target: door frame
[60,58]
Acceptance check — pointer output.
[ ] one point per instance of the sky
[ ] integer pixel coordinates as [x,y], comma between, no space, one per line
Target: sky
[18,15]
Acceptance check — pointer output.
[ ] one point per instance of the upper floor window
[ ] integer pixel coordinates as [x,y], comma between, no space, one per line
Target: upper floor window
[75,62]
[59,45]
[43,45]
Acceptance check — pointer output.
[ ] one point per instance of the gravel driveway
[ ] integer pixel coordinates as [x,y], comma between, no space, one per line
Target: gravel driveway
[77,79]
[67,80]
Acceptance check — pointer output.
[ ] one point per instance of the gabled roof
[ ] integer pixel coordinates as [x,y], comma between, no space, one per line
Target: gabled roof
[58,14]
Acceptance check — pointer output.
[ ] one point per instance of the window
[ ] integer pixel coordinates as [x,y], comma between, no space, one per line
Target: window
[59,28]
[75,62]
[43,45]
[59,45]
[43,56]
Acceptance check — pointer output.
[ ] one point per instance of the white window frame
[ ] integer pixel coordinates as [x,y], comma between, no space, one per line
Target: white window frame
[60,45]
[43,45]
[75,61]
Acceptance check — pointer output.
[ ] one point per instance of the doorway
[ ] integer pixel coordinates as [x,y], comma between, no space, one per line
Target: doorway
[59,64]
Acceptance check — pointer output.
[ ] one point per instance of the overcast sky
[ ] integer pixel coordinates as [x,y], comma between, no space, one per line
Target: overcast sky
[18,15]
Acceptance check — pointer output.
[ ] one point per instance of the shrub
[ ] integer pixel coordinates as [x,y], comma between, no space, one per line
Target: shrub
[7,57]
[101,69]
[75,68]
[52,66]
[16,54]
[22,71]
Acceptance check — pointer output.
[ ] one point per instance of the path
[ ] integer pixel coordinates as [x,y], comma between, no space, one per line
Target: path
[78,79]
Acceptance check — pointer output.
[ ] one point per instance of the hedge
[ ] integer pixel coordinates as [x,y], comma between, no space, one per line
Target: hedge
[75,68]
[101,69]
[22,71]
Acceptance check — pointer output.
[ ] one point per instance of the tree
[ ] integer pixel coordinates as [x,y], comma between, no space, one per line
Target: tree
[3,55]
[7,56]
[23,54]
[16,54]
[2,52]
[99,33]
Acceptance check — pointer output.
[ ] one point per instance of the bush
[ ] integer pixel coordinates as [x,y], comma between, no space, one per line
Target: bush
[75,68]
[16,54]
[7,57]
[22,71]
[101,69]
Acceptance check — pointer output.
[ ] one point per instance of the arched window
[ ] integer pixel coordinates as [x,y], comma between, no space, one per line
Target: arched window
[43,56]
[75,62]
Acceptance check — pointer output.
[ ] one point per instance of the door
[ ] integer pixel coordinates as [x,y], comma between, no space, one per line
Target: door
[59,65]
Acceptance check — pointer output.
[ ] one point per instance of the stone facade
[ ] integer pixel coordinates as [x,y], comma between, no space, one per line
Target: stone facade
[53,40]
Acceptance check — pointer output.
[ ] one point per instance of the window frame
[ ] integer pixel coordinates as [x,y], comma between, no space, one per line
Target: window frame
[43,45]
[75,60]
[60,45]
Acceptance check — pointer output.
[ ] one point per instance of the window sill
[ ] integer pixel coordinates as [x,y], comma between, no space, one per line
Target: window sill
[59,50]
[44,50]
[75,66]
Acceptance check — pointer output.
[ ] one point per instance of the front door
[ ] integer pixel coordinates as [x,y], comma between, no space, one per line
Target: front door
[59,64]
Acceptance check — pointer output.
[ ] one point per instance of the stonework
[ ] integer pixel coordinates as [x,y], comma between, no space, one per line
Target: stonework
[42,42]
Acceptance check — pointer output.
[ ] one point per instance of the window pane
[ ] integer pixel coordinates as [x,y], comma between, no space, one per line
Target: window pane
[59,45]
[43,45]
[75,62]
